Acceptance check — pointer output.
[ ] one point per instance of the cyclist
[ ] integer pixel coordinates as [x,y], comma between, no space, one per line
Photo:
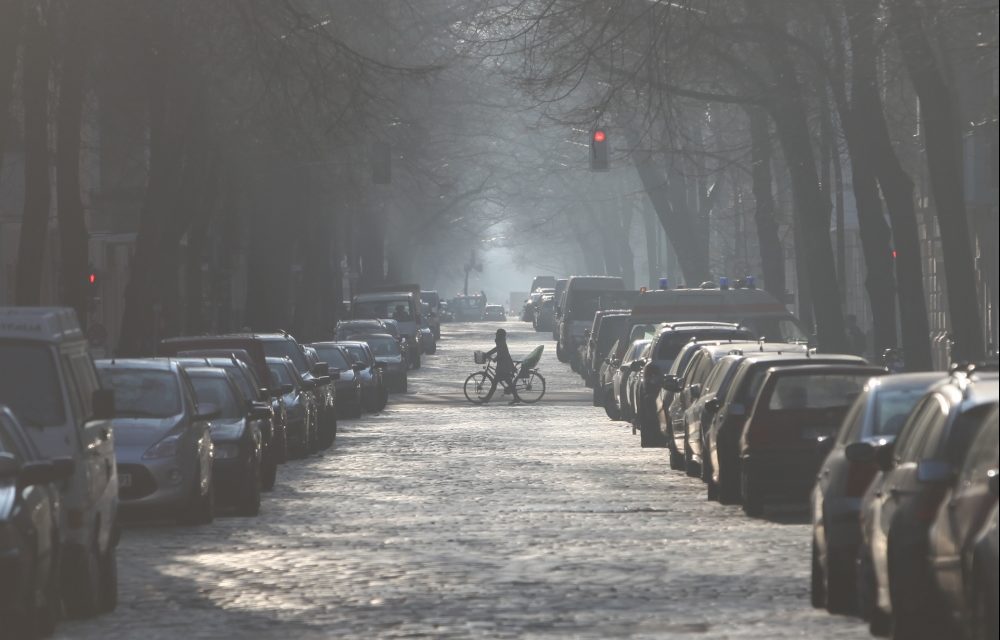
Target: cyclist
[505,364]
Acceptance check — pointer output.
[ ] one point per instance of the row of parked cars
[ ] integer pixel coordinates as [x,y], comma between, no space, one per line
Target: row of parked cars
[900,471]
[201,427]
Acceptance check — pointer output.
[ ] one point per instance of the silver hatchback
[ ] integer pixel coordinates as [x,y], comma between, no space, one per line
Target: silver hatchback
[162,440]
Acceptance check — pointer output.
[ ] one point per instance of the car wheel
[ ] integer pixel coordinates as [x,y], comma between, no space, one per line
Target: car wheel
[327,435]
[676,460]
[596,393]
[817,582]
[81,584]
[48,612]
[839,574]
[649,436]
[753,500]
[691,468]
[416,362]
[109,580]
[250,501]
[268,471]
[201,509]
[560,353]
[610,408]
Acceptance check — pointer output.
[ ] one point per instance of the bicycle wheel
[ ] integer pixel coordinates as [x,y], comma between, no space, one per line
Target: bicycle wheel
[530,389]
[478,388]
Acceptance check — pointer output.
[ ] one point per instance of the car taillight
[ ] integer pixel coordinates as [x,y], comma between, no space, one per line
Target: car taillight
[859,476]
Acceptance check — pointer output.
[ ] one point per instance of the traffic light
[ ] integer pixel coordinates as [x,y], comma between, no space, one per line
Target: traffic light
[599,150]
[381,160]
[93,282]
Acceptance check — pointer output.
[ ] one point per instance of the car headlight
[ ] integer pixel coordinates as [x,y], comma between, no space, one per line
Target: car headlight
[226,450]
[166,448]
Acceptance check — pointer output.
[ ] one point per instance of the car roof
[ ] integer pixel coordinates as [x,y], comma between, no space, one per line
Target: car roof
[907,381]
[764,358]
[814,369]
[148,364]
[48,324]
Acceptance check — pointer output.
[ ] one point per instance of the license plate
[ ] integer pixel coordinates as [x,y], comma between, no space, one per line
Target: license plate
[815,433]
[124,480]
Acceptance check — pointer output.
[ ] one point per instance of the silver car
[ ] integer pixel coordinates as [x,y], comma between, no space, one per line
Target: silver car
[162,440]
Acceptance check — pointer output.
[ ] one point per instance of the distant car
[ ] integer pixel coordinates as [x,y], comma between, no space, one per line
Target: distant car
[350,401]
[29,532]
[387,352]
[494,312]
[236,439]
[163,443]
[433,313]
[798,407]
[544,318]
[876,417]
[300,406]
[374,393]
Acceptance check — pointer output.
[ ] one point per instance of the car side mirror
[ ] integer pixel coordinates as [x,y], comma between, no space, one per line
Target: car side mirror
[824,444]
[285,389]
[672,383]
[102,402]
[931,471]
[713,405]
[635,367]
[737,409]
[994,482]
[885,456]
[860,452]
[695,390]
[206,411]
[36,472]
[358,367]
[320,369]
[258,410]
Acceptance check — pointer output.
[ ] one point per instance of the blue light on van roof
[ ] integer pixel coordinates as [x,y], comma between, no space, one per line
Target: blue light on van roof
[664,284]
[724,283]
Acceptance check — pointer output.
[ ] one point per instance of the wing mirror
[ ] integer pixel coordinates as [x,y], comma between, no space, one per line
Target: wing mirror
[695,390]
[930,471]
[636,366]
[320,369]
[285,389]
[206,411]
[672,383]
[713,405]
[36,472]
[258,410]
[885,456]
[102,402]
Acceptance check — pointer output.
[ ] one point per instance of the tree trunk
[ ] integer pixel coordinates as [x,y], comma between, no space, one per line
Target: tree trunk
[35,96]
[772,253]
[10,28]
[942,131]
[73,238]
[896,186]
[194,282]
[652,249]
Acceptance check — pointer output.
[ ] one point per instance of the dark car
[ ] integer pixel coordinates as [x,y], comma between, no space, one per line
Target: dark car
[236,439]
[797,408]
[316,380]
[721,441]
[374,391]
[358,329]
[274,444]
[606,327]
[494,312]
[876,417]
[29,532]
[387,353]
[631,364]
[347,374]
[433,302]
[983,589]
[300,406]
[895,589]
[963,513]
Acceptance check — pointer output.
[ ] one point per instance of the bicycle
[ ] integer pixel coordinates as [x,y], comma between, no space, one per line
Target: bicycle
[528,387]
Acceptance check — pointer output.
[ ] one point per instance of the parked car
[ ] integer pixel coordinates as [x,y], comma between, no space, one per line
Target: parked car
[584,296]
[374,390]
[797,408]
[315,380]
[982,589]
[272,428]
[964,511]
[48,380]
[433,313]
[722,441]
[542,282]
[387,353]
[557,301]
[631,364]
[876,417]
[494,312]
[607,327]
[401,305]
[899,506]
[544,317]
[350,401]
[237,447]
[300,406]
[163,444]
[29,532]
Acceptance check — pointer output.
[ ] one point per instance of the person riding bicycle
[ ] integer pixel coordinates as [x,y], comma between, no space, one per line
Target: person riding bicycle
[505,364]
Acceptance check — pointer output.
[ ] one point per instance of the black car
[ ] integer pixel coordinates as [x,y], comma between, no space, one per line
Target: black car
[315,379]
[300,407]
[236,438]
[347,378]
[374,389]
[29,532]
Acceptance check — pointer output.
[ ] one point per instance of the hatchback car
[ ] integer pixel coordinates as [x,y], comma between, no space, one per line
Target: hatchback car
[798,407]
[387,353]
[876,417]
[162,440]
[374,391]
[350,400]
[29,532]
[631,364]
[300,407]
[236,438]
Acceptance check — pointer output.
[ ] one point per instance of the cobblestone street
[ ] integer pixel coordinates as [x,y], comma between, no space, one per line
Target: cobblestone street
[440,519]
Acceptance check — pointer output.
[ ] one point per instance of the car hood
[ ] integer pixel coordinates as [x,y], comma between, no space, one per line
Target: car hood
[225,430]
[142,432]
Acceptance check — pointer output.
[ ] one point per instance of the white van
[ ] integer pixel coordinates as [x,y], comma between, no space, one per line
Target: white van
[48,380]
[585,296]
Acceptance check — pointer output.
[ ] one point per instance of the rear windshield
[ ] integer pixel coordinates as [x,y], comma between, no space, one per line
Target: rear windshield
[333,357]
[357,354]
[584,304]
[143,394]
[286,349]
[29,384]
[280,373]
[217,391]
[609,330]
[668,346]
[891,409]
[383,346]
[819,391]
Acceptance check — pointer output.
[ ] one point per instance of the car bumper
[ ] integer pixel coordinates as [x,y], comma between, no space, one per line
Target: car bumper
[153,485]
[784,473]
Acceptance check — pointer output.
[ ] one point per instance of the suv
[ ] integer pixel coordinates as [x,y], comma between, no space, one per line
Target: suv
[49,381]
[584,296]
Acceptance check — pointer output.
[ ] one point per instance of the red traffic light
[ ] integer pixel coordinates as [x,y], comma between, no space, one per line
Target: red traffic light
[92,278]
[599,135]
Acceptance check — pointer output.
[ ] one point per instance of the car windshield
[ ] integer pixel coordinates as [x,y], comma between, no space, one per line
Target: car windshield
[29,384]
[357,353]
[816,391]
[384,346]
[286,349]
[396,309]
[891,409]
[216,390]
[333,357]
[142,393]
